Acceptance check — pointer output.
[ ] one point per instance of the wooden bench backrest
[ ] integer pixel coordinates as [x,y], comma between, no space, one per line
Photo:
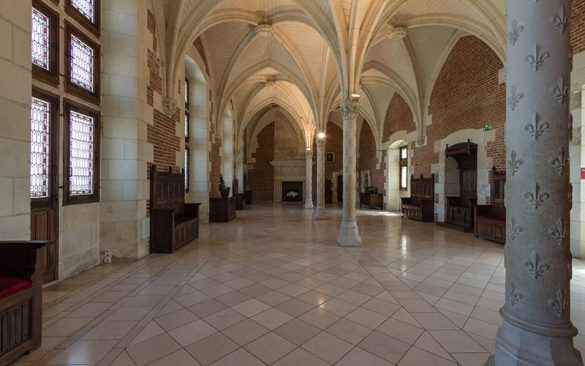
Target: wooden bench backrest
[167,190]
[422,188]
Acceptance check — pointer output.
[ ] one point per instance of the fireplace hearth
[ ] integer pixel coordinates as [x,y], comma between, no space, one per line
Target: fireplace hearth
[292,191]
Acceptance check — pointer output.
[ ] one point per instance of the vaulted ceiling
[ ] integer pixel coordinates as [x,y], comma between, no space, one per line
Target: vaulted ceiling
[308,55]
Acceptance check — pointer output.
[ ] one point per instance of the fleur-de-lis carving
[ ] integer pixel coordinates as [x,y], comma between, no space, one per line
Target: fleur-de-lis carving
[559,303]
[558,232]
[538,59]
[536,198]
[561,91]
[559,162]
[535,268]
[514,163]
[514,34]
[514,98]
[514,295]
[515,229]
[537,128]
[560,20]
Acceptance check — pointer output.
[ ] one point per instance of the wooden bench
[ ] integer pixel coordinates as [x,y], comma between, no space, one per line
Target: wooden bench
[490,220]
[372,200]
[21,281]
[173,223]
[421,204]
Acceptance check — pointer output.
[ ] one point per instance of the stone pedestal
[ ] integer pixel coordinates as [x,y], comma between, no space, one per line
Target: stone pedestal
[319,212]
[349,235]
[309,180]
[537,328]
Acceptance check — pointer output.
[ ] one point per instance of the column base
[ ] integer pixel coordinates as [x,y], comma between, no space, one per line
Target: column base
[309,204]
[319,213]
[349,235]
[516,346]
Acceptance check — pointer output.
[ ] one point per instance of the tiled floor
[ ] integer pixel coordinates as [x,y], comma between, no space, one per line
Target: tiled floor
[272,288]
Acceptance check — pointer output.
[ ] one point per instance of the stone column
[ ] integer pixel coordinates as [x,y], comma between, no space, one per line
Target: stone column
[309,180]
[537,329]
[349,235]
[319,213]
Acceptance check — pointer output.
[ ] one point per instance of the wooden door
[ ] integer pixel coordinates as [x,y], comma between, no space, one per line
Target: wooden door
[44,180]
[340,188]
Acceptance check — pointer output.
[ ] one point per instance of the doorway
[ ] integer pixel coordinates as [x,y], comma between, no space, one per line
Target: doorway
[340,188]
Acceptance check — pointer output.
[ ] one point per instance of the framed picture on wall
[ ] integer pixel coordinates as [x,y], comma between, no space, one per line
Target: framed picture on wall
[330,157]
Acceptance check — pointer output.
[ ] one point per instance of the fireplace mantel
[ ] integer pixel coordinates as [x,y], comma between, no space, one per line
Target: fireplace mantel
[287,171]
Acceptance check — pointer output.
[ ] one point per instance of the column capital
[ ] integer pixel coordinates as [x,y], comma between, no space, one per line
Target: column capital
[349,110]
[309,154]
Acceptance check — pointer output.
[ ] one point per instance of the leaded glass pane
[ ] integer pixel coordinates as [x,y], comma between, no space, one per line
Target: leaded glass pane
[81,154]
[403,177]
[85,7]
[40,118]
[186,91]
[186,169]
[404,153]
[40,39]
[187,117]
[82,64]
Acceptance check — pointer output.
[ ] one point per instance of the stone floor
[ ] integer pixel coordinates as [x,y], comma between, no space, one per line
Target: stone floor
[271,288]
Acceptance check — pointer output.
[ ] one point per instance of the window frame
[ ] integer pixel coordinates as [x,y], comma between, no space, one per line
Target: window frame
[78,16]
[403,162]
[186,169]
[68,199]
[54,151]
[187,93]
[70,87]
[50,76]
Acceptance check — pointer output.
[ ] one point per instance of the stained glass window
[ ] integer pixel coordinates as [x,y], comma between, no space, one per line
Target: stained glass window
[85,7]
[40,39]
[82,64]
[81,154]
[40,119]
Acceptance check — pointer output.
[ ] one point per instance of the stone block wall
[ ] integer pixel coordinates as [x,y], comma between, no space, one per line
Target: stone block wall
[261,174]
[15,94]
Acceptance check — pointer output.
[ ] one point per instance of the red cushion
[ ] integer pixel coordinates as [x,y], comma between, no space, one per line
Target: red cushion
[10,286]
[491,218]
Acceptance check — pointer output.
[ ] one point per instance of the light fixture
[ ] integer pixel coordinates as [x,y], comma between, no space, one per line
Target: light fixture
[308,149]
[355,97]
[321,135]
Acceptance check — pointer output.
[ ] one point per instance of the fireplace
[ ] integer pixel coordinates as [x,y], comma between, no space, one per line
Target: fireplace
[292,191]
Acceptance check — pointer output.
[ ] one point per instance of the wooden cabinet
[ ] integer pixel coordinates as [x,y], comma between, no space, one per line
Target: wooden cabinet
[372,200]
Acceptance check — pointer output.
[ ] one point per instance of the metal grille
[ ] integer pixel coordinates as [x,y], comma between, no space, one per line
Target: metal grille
[40,39]
[40,118]
[81,154]
[82,64]
[85,7]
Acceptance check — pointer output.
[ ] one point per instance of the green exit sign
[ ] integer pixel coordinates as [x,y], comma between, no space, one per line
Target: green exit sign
[487,127]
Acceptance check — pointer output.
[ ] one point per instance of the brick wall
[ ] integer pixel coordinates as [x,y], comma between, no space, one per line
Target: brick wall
[367,159]
[163,132]
[466,95]
[261,177]
[398,117]
[578,26]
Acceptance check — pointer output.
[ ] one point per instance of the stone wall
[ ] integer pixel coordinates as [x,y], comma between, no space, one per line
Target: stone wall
[15,97]
[467,95]
[261,174]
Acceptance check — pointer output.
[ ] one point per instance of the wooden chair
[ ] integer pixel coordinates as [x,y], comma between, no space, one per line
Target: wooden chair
[421,204]
[490,220]
[173,223]
[21,281]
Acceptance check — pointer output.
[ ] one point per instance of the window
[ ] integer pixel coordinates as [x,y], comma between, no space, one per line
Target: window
[83,66]
[86,12]
[186,93]
[404,168]
[81,155]
[44,48]
[186,171]
[40,146]
[86,8]
[187,125]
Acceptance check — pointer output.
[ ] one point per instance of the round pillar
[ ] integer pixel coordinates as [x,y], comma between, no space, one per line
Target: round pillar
[537,329]
[319,212]
[349,235]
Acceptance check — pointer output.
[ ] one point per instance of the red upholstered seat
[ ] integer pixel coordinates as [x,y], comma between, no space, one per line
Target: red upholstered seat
[491,218]
[10,286]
